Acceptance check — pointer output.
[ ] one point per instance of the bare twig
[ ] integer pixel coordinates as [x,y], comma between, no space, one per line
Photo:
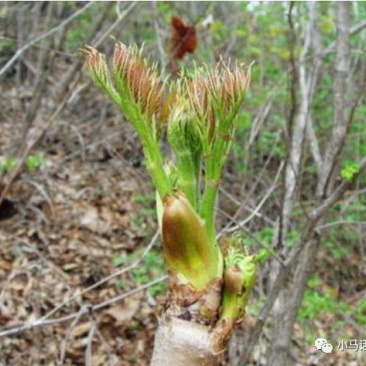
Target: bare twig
[76,68]
[104,280]
[32,144]
[314,145]
[293,256]
[244,207]
[296,149]
[89,344]
[83,311]
[340,120]
[253,187]
[43,320]
[339,223]
[158,37]
[63,347]
[317,62]
[258,207]
[21,50]
[120,17]
[353,31]
[260,118]
[41,76]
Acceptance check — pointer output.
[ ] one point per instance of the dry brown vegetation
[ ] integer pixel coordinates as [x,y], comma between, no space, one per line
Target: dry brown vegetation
[86,213]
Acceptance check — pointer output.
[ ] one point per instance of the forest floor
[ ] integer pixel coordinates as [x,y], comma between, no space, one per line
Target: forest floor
[87,213]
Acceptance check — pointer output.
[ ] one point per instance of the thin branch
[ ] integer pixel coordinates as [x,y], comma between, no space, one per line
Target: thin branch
[339,223]
[340,88]
[293,256]
[104,280]
[296,150]
[16,172]
[158,37]
[85,310]
[244,207]
[353,31]
[313,144]
[258,207]
[314,73]
[67,338]
[76,68]
[89,344]
[260,118]
[338,192]
[21,50]
[120,17]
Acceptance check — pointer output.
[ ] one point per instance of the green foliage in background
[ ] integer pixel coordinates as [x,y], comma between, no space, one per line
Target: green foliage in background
[152,266]
[349,171]
[8,164]
[146,210]
[32,163]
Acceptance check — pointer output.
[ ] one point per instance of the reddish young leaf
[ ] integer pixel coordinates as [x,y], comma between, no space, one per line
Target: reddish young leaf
[184,38]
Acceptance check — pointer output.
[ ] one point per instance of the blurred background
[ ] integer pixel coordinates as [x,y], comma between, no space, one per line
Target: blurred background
[77,205]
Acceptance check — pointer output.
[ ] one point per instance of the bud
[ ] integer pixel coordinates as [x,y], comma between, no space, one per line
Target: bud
[239,279]
[184,138]
[98,69]
[200,90]
[188,251]
[216,96]
[140,82]
[234,85]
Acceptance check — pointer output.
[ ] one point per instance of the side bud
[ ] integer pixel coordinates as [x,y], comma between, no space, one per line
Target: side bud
[239,278]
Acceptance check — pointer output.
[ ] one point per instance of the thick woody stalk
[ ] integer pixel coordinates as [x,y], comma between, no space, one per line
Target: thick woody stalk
[182,343]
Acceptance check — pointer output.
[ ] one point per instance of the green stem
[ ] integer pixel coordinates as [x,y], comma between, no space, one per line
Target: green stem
[197,173]
[215,156]
[214,162]
[154,162]
[150,144]
[187,149]
[212,180]
[187,176]
[208,207]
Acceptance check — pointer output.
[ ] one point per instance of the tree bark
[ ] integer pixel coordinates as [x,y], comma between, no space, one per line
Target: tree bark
[281,332]
[289,301]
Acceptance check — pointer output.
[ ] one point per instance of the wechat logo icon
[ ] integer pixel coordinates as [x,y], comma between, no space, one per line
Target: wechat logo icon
[322,344]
